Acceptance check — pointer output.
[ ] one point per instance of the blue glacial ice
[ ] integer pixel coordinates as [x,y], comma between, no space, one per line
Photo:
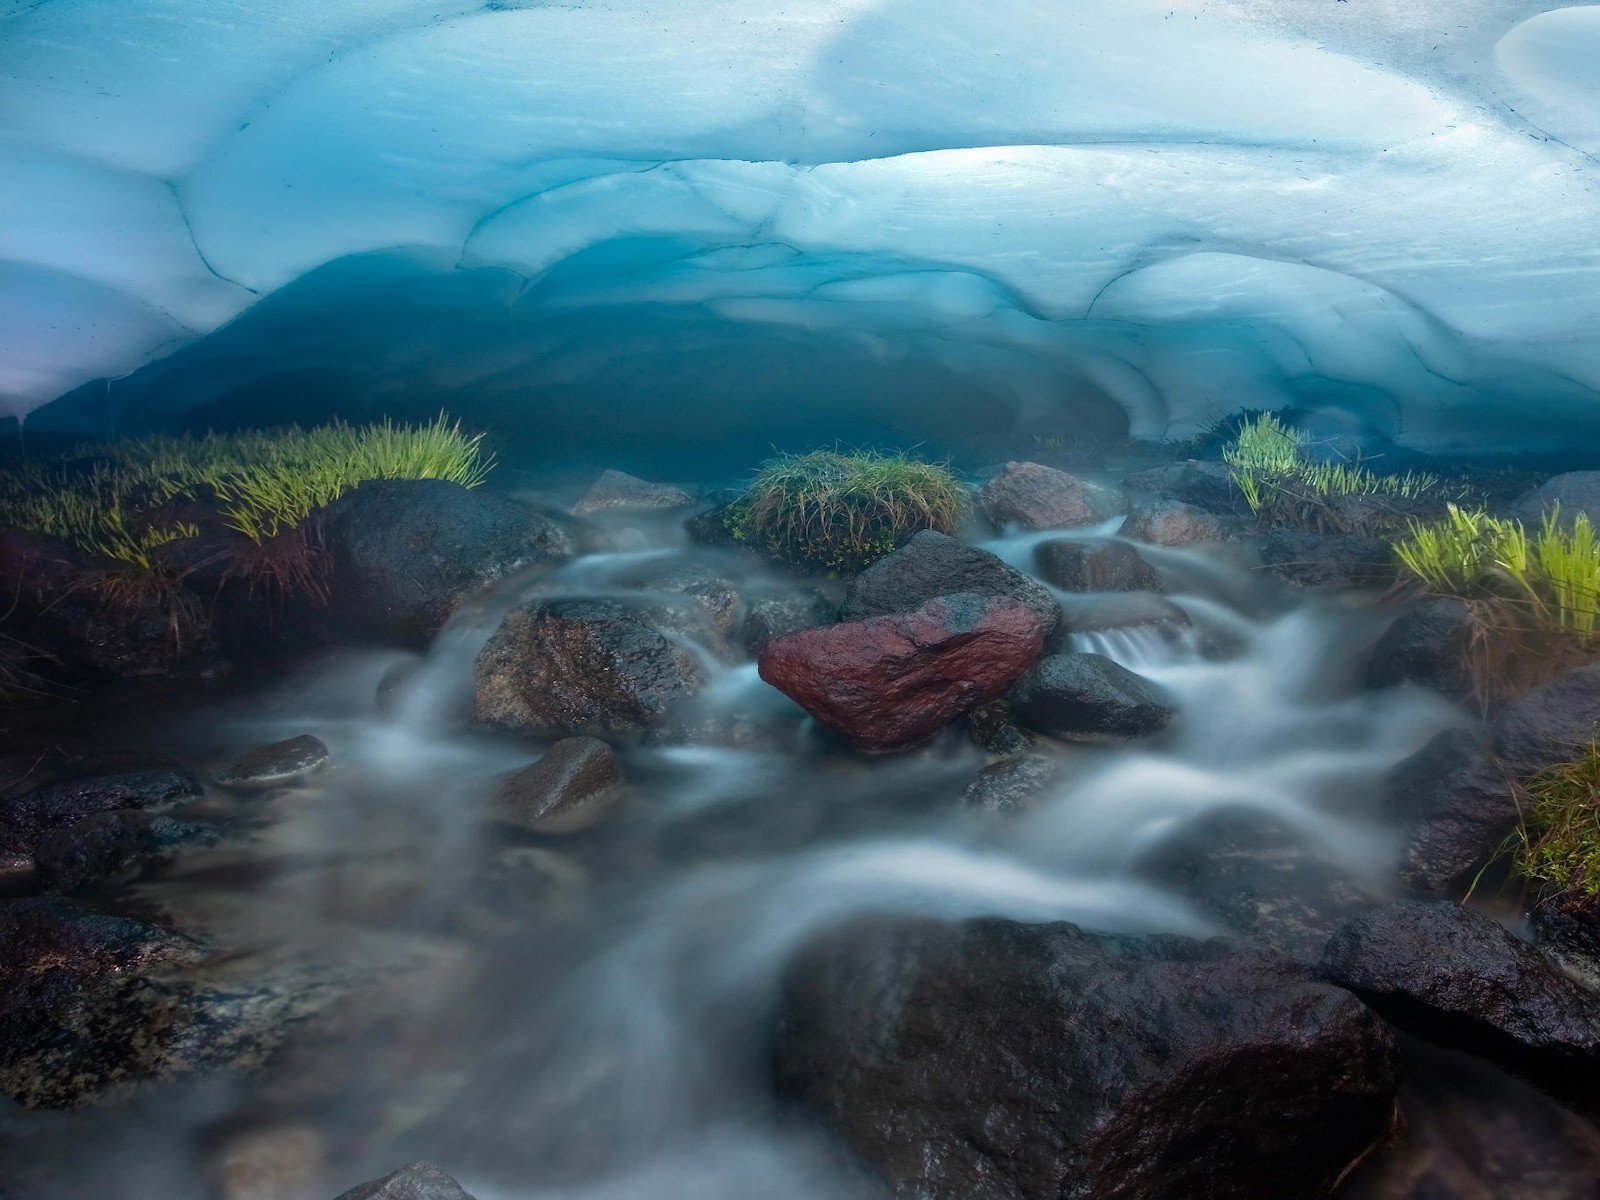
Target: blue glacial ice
[1167,210]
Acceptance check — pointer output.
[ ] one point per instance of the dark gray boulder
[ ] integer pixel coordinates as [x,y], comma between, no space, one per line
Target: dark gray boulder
[278,762]
[65,801]
[562,667]
[1576,492]
[994,1059]
[577,784]
[1451,975]
[405,553]
[1426,645]
[1012,784]
[419,1181]
[110,845]
[769,617]
[932,564]
[1207,485]
[1316,560]
[1094,567]
[1088,697]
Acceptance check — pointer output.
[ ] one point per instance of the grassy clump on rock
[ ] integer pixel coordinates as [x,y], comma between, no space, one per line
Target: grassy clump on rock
[1282,486]
[1560,829]
[126,501]
[840,512]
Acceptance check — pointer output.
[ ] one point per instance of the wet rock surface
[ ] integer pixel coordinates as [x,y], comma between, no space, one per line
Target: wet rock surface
[931,564]
[1314,560]
[1095,567]
[1451,975]
[769,617]
[1035,496]
[562,667]
[617,491]
[1204,484]
[1174,524]
[64,801]
[1088,697]
[1426,645]
[404,554]
[278,762]
[991,1058]
[888,682]
[108,845]
[1012,784]
[577,784]
[419,1181]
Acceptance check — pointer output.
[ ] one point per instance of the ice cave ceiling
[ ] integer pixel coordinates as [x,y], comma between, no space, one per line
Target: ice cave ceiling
[1386,211]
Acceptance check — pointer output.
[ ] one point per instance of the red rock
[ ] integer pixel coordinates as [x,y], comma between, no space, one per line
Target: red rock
[888,682]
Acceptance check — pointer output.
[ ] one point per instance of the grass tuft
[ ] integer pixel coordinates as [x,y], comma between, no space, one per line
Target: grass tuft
[1281,486]
[842,512]
[127,500]
[1559,834]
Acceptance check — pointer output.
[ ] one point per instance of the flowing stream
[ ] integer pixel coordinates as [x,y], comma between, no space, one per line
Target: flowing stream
[592,1017]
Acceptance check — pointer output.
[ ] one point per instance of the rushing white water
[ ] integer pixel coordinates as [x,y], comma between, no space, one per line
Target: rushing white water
[609,1039]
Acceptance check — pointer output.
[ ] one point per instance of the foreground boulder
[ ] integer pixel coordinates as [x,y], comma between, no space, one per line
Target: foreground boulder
[994,1059]
[1452,975]
[419,1181]
[561,667]
[404,553]
[617,491]
[65,801]
[933,564]
[1035,496]
[577,784]
[1088,697]
[1094,567]
[1457,797]
[888,682]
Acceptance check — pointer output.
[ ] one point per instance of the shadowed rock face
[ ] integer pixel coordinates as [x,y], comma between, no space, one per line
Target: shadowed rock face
[405,553]
[933,564]
[888,682]
[576,666]
[991,1058]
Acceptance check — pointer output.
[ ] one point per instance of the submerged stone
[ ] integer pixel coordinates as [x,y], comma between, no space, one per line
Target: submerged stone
[578,783]
[278,762]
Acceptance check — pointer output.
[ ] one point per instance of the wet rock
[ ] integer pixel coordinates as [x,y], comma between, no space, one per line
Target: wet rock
[991,1058]
[1095,567]
[419,1181]
[1207,485]
[577,784]
[1314,560]
[993,727]
[108,845]
[1576,492]
[1125,610]
[1087,697]
[1458,799]
[564,667]
[1258,878]
[616,491]
[710,527]
[1012,784]
[278,762]
[888,682]
[66,801]
[769,617]
[1172,523]
[932,564]
[712,590]
[1454,976]
[1035,496]
[1567,927]
[405,553]
[1427,645]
